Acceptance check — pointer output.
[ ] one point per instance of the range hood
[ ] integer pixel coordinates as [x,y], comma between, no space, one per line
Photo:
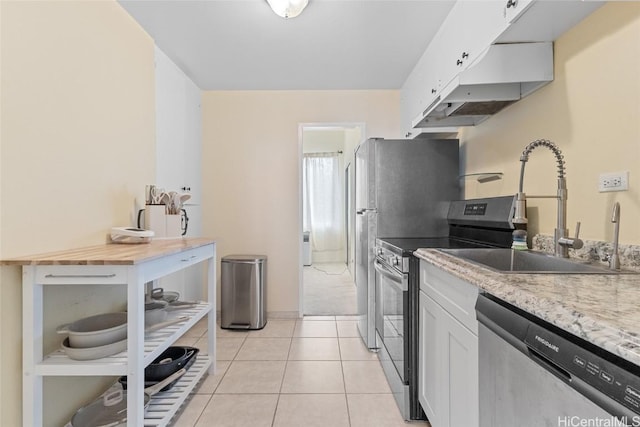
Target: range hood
[502,75]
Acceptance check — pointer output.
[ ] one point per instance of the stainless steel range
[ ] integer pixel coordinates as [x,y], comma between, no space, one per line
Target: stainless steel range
[472,224]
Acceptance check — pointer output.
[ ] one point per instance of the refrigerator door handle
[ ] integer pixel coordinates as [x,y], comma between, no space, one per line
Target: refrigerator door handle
[364,211]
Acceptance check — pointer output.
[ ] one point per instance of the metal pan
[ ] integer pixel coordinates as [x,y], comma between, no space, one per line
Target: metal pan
[170,361]
[110,410]
[155,312]
[162,295]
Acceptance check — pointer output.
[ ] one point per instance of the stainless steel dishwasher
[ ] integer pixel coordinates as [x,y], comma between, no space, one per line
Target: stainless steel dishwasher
[534,374]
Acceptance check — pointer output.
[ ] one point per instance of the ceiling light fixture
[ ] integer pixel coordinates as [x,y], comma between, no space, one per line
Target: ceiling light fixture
[288,8]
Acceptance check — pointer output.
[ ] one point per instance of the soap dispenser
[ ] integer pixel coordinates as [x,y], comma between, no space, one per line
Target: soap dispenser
[519,237]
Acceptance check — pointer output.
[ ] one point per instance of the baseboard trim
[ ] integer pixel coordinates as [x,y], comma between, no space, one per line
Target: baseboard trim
[282,315]
[273,315]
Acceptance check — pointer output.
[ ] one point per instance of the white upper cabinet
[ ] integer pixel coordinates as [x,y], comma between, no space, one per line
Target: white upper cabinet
[465,36]
[512,9]
[544,21]
[468,30]
[178,130]
[425,79]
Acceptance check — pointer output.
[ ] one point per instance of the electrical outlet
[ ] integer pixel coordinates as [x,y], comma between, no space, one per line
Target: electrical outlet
[613,181]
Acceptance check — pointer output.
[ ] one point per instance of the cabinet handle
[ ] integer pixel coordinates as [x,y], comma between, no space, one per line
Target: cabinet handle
[458,62]
[188,259]
[465,55]
[512,3]
[79,276]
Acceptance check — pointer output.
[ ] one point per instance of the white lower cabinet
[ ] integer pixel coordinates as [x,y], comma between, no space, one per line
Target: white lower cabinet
[448,350]
[428,366]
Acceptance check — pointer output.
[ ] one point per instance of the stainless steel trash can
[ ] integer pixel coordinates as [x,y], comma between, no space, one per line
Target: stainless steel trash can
[244,292]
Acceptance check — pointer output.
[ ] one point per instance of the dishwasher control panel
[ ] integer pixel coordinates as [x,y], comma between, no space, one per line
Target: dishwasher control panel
[569,360]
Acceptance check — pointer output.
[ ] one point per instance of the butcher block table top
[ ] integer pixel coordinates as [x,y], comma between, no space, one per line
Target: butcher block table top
[112,253]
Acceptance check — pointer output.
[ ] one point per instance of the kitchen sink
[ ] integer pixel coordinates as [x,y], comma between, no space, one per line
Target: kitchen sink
[527,262]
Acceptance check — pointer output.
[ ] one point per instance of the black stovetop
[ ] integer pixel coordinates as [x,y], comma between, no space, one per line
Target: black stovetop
[409,245]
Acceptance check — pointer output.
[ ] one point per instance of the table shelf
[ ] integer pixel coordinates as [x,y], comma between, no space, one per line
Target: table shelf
[131,266]
[58,363]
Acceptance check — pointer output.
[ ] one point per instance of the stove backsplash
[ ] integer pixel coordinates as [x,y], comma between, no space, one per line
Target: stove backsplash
[592,250]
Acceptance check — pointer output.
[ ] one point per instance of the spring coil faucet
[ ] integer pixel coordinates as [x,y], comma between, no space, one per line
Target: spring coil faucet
[561,239]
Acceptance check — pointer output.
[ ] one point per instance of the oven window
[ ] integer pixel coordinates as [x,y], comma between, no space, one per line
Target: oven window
[390,317]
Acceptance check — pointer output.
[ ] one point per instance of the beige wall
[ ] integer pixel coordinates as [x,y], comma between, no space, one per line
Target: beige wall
[591,111]
[77,147]
[251,170]
[322,140]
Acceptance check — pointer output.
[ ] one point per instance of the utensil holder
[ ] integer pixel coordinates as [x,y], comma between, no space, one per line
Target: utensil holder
[173,225]
[154,219]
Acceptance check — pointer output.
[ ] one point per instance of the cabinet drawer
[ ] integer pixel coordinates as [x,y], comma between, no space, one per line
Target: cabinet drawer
[189,257]
[161,267]
[80,274]
[454,295]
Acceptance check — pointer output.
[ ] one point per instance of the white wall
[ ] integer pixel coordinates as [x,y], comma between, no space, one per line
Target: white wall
[178,159]
[251,170]
[591,111]
[76,150]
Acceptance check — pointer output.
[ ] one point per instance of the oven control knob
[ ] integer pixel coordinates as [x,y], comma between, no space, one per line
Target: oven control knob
[396,261]
[380,251]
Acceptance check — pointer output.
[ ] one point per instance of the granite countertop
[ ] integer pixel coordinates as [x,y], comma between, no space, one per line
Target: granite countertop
[601,309]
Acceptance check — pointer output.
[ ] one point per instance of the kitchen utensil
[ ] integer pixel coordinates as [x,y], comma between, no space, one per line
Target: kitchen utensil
[169,199]
[184,197]
[164,199]
[98,352]
[157,196]
[170,361]
[177,203]
[149,193]
[168,296]
[181,305]
[96,331]
[169,322]
[155,312]
[110,410]
[92,353]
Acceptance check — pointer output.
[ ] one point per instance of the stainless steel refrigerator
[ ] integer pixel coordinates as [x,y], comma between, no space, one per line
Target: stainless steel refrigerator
[403,189]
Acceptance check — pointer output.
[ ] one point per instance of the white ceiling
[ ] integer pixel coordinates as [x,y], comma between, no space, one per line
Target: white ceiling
[334,44]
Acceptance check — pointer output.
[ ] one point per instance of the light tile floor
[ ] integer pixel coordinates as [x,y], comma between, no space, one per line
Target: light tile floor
[293,373]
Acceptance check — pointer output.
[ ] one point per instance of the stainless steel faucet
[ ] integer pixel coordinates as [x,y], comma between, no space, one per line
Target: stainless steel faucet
[561,234]
[614,260]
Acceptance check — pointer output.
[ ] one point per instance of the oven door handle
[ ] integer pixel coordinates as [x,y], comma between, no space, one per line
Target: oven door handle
[396,278]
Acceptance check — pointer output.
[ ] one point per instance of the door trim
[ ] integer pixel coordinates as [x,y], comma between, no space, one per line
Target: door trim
[301,128]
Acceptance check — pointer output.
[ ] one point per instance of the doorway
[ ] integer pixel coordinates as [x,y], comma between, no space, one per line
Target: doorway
[326,217]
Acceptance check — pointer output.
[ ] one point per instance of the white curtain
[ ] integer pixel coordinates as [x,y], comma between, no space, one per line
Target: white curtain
[323,203]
